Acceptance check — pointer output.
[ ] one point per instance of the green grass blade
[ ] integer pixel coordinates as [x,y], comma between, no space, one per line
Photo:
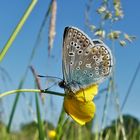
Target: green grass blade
[17,29]
[15,104]
[59,131]
[12,113]
[40,123]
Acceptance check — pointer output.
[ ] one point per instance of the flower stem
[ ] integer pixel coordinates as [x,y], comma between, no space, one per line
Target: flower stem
[30,90]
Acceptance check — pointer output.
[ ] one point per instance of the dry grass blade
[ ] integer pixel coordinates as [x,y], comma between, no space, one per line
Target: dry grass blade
[36,77]
[52,31]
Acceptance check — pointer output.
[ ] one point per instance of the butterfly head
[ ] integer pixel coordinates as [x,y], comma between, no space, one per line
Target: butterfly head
[62,84]
[71,87]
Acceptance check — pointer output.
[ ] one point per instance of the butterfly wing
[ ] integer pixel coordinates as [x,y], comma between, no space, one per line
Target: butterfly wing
[85,62]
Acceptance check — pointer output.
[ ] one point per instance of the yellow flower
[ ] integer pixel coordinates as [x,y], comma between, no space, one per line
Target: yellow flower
[51,134]
[80,106]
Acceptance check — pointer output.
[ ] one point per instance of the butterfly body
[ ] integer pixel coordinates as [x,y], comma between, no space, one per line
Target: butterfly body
[86,62]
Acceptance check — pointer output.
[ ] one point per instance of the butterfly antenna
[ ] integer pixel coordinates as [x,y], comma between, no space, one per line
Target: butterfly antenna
[44,76]
[51,86]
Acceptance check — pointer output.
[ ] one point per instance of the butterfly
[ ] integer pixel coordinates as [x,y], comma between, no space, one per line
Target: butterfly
[85,64]
[85,61]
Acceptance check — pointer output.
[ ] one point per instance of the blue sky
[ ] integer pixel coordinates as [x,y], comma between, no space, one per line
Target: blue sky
[68,13]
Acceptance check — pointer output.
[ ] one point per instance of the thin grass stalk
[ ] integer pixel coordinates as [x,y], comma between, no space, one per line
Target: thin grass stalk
[96,128]
[5,74]
[17,29]
[130,86]
[60,123]
[65,128]
[30,90]
[120,117]
[14,105]
[108,135]
[80,134]
[38,39]
[113,89]
[89,127]
[105,108]
[40,123]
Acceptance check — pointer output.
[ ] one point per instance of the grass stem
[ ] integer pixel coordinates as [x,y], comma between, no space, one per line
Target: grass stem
[29,90]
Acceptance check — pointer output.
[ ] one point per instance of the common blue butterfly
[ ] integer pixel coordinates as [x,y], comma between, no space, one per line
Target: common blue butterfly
[85,61]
